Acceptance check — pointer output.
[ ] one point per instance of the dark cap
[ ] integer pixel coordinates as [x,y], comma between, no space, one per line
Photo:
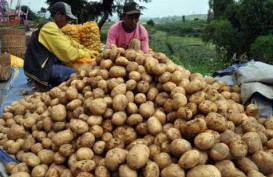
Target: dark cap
[131,8]
[62,8]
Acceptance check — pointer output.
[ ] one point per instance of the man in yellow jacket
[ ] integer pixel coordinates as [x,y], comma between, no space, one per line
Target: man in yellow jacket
[49,49]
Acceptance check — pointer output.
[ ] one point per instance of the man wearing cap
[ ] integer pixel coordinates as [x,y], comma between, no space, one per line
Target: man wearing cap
[128,33]
[49,49]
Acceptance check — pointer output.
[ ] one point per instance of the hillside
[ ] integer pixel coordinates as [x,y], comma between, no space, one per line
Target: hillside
[174,18]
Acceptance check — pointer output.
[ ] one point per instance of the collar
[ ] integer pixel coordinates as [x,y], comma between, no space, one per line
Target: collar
[127,30]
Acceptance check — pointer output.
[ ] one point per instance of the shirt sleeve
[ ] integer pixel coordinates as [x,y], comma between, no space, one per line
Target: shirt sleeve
[145,41]
[63,47]
[111,36]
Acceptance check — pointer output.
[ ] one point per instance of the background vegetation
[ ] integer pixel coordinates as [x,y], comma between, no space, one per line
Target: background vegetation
[242,27]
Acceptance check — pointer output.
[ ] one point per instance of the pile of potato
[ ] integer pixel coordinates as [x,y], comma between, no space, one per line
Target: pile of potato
[134,114]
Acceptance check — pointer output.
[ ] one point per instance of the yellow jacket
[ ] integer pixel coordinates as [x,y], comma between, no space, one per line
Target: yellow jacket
[62,46]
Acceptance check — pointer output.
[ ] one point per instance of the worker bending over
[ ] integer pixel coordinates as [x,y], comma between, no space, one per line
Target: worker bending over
[49,49]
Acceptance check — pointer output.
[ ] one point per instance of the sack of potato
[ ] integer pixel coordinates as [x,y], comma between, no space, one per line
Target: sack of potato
[87,34]
[72,31]
[134,114]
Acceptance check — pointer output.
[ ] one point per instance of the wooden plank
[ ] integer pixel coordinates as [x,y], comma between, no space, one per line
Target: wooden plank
[5,66]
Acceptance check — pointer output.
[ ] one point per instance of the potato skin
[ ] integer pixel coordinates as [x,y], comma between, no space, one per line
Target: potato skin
[138,156]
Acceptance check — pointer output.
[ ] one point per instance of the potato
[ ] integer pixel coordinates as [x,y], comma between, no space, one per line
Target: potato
[114,158]
[120,102]
[143,86]
[74,104]
[264,161]
[153,125]
[253,142]
[216,121]
[189,159]
[204,171]
[119,117]
[78,126]
[207,107]
[152,93]
[229,136]
[219,151]
[99,147]
[16,132]
[151,169]
[125,171]
[101,171]
[254,173]
[85,174]
[138,156]
[125,133]
[121,61]
[46,156]
[245,164]
[119,89]
[94,120]
[63,137]
[84,153]
[180,146]
[173,170]
[83,166]
[10,166]
[117,71]
[140,98]
[20,174]
[134,119]
[238,148]
[32,160]
[194,86]
[21,167]
[97,106]
[204,141]
[173,133]
[39,170]
[193,127]
[162,159]
[147,109]
[178,100]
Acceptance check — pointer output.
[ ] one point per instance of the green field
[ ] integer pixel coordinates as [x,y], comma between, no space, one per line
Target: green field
[184,47]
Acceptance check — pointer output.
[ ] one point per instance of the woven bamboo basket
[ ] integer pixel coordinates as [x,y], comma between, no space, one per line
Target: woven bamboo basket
[13,41]
[4,66]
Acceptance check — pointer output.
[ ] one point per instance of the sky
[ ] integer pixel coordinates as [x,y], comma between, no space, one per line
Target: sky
[156,8]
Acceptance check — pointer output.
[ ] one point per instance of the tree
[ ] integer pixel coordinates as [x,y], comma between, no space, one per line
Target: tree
[240,23]
[219,7]
[151,22]
[31,14]
[94,10]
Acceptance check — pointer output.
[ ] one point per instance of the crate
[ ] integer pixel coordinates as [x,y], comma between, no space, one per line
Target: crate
[13,41]
[5,66]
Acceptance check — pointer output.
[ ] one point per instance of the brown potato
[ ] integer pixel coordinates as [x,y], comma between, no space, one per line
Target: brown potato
[138,156]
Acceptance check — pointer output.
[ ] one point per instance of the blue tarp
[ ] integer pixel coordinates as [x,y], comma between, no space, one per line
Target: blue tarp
[11,91]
